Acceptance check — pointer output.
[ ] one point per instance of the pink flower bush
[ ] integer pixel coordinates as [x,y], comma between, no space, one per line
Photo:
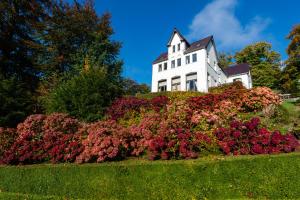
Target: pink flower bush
[42,138]
[249,138]
[161,128]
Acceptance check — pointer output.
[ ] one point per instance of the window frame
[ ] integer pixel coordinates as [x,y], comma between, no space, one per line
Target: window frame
[178,62]
[173,64]
[194,57]
[187,59]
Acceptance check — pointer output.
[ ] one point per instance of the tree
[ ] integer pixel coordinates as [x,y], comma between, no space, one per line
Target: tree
[264,63]
[225,60]
[16,102]
[19,46]
[74,34]
[290,78]
[131,87]
[85,96]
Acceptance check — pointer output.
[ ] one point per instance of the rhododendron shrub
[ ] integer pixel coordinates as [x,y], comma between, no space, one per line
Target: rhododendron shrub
[249,138]
[122,106]
[7,138]
[258,98]
[177,143]
[42,138]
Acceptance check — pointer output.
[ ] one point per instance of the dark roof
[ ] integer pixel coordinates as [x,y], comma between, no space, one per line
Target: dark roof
[200,44]
[161,57]
[237,69]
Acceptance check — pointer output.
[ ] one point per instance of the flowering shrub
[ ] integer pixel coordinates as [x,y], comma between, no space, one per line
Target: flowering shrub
[180,126]
[132,104]
[41,138]
[7,138]
[248,138]
[258,98]
[177,143]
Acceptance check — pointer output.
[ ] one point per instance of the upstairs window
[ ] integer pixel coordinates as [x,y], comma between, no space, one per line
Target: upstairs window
[178,62]
[191,82]
[173,48]
[178,47]
[187,59]
[160,67]
[194,57]
[173,64]
[165,66]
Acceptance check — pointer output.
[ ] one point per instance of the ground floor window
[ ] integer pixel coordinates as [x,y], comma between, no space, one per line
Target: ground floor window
[176,84]
[191,82]
[237,79]
[162,86]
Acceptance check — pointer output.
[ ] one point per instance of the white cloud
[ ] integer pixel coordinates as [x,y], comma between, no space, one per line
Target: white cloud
[218,18]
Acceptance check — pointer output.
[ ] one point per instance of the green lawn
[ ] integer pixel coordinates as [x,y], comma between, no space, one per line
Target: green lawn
[266,177]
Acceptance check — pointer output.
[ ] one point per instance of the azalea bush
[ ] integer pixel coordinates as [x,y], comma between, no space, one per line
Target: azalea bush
[163,127]
[45,138]
[249,138]
[7,138]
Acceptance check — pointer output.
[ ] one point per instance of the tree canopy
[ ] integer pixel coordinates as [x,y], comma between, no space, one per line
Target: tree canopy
[264,63]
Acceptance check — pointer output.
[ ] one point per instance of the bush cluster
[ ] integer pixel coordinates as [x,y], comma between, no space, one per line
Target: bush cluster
[159,128]
[248,138]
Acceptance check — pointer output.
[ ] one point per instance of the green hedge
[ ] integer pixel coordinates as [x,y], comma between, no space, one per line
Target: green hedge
[268,177]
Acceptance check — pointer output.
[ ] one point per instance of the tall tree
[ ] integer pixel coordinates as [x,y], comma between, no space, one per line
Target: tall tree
[264,63]
[290,78]
[131,87]
[74,34]
[20,21]
[225,60]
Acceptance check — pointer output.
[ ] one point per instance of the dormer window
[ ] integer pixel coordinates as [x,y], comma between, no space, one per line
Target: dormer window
[173,48]
[178,47]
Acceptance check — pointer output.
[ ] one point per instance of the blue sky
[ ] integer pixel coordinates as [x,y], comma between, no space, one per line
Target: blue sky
[144,26]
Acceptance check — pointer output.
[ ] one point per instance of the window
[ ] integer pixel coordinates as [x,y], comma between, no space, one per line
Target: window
[191,82]
[173,64]
[176,84]
[187,60]
[159,67]
[173,48]
[194,57]
[178,62]
[178,47]
[162,86]
[165,66]
[237,79]
[208,80]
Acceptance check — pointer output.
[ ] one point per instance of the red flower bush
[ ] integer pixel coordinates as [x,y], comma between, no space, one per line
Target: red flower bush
[248,138]
[132,104]
[42,138]
[7,138]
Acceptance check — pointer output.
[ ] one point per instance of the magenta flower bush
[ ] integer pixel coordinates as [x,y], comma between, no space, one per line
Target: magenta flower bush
[248,138]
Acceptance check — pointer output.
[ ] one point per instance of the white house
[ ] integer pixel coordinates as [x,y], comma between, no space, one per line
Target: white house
[193,67]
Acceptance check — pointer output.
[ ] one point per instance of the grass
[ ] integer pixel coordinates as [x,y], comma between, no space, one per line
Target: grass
[267,177]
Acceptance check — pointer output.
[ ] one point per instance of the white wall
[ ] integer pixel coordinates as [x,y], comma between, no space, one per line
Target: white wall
[246,79]
[182,71]
[217,75]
